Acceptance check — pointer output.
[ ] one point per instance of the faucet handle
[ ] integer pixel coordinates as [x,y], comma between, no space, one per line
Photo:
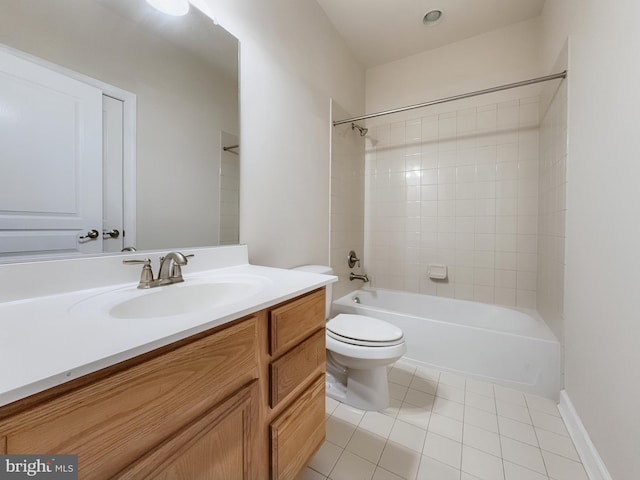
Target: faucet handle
[146,277]
[353,259]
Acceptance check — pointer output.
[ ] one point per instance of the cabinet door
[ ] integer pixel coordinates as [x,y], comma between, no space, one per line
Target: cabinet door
[219,445]
[298,433]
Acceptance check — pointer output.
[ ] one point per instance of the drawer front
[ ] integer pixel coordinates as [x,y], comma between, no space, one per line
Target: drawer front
[296,366]
[292,322]
[298,433]
[113,422]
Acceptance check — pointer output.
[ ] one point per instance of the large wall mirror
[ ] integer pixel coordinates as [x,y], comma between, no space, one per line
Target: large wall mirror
[115,114]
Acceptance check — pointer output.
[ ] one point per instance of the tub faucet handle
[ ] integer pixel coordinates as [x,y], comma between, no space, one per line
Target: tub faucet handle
[353,259]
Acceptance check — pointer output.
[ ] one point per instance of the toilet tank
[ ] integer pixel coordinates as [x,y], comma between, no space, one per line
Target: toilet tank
[325,270]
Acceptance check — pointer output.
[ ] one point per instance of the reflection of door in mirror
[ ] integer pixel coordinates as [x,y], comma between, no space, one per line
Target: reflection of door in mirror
[57,160]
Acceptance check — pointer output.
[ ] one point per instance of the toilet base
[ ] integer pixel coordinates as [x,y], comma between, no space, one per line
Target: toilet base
[364,389]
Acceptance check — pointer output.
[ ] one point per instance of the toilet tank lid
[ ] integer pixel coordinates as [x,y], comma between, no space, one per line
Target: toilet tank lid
[324,269]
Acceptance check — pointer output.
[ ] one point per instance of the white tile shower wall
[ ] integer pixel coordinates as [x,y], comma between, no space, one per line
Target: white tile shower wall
[552,210]
[347,201]
[458,188]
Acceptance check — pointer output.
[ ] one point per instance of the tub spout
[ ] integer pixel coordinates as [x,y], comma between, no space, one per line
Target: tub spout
[354,276]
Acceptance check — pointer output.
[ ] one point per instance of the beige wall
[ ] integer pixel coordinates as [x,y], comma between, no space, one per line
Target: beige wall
[292,62]
[347,202]
[602,304]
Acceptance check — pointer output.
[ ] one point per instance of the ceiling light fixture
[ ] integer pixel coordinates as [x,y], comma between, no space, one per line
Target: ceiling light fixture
[176,8]
[432,17]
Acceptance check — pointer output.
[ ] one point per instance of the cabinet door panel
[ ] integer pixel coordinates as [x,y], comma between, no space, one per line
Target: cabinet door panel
[298,433]
[216,446]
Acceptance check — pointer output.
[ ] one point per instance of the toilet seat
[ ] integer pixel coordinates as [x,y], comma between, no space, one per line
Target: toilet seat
[364,331]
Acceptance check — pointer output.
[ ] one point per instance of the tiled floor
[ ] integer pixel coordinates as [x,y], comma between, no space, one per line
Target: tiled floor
[442,426]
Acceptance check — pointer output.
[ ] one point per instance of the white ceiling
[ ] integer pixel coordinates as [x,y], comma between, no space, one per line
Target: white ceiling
[381,31]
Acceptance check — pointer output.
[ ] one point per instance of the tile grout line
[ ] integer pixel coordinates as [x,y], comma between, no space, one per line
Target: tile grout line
[535,432]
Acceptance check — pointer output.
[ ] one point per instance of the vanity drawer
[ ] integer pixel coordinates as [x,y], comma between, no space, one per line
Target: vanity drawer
[294,367]
[292,322]
[298,433]
[116,420]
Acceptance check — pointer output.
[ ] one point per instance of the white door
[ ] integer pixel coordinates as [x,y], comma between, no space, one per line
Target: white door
[50,160]
[112,174]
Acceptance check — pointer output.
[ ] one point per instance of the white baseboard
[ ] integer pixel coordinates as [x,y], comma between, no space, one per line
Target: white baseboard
[593,464]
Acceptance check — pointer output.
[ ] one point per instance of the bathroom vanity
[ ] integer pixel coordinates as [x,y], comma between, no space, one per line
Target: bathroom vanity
[242,397]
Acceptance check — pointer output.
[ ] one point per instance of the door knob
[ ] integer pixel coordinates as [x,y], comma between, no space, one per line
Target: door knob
[92,234]
[113,233]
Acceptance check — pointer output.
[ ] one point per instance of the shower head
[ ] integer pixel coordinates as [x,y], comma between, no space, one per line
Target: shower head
[363,131]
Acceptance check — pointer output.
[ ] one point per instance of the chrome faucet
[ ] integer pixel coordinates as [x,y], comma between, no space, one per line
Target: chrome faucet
[355,276]
[170,271]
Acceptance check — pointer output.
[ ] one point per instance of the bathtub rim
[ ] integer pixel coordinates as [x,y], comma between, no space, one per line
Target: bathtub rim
[546,334]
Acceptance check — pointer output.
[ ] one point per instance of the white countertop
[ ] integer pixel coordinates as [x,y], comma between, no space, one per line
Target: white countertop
[49,340]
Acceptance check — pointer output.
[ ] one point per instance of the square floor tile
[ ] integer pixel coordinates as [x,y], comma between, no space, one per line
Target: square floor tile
[378,423]
[522,454]
[417,416]
[393,408]
[431,469]
[516,472]
[408,435]
[510,395]
[419,399]
[330,405]
[558,444]
[423,385]
[481,464]
[523,432]
[382,474]
[549,422]
[448,408]
[366,445]
[480,418]
[397,391]
[480,401]
[326,458]
[400,460]
[480,439]
[513,411]
[443,449]
[561,468]
[338,431]
[446,426]
[352,467]
[450,392]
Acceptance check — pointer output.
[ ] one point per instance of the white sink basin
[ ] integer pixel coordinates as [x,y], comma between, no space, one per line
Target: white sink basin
[190,297]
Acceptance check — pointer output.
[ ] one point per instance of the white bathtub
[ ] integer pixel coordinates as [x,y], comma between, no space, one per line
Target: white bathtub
[498,344]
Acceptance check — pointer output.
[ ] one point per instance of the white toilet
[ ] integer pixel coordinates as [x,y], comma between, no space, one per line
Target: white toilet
[359,350]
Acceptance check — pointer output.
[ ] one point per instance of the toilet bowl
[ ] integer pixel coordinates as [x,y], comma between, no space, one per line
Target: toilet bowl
[359,350]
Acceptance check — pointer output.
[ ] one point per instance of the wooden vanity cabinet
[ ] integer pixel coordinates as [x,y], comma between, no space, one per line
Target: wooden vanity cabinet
[201,408]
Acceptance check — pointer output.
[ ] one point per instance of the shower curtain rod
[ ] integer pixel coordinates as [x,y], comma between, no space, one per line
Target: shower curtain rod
[456,97]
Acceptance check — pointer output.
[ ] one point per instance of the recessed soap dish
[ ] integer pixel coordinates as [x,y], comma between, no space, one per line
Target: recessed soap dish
[437,271]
